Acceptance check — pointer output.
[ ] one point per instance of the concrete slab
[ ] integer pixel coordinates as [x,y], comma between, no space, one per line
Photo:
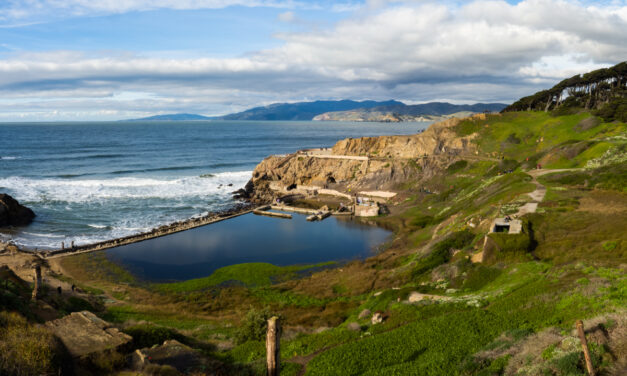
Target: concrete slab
[84,333]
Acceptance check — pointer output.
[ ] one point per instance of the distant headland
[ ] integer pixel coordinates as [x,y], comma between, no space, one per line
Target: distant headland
[343,110]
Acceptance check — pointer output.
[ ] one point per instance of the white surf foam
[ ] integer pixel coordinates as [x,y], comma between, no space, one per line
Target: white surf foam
[92,225]
[89,190]
[8,158]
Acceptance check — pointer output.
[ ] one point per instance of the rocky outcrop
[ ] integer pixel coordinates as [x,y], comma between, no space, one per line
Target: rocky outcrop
[172,356]
[83,333]
[439,138]
[12,213]
[367,163]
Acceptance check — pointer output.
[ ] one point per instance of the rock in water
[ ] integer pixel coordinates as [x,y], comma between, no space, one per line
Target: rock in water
[12,213]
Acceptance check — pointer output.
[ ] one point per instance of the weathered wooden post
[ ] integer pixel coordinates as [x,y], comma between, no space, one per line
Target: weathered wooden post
[62,245]
[273,359]
[584,345]
[38,283]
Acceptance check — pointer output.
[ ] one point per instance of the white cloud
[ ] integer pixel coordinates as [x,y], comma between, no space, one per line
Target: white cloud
[287,17]
[413,51]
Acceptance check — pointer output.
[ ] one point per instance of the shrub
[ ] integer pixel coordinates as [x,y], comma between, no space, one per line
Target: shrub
[76,304]
[513,139]
[512,242]
[480,276]
[441,252]
[158,370]
[614,110]
[103,361]
[150,335]
[508,164]
[610,246]
[254,326]
[457,166]
[26,349]
[421,221]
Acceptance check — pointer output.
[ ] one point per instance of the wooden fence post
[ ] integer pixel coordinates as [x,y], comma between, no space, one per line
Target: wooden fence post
[38,282]
[273,358]
[584,345]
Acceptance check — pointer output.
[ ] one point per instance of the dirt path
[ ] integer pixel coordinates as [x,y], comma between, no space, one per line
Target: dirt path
[538,194]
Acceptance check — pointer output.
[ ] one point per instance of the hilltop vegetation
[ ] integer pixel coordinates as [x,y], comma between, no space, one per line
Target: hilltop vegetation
[603,89]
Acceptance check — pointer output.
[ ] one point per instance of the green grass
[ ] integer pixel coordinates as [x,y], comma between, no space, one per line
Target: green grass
[611,177]
[529,297]
[200,328]
[269,295]
[521,135]
[249,274]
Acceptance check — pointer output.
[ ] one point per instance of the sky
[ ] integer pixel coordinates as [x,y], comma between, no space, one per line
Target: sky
[115,59]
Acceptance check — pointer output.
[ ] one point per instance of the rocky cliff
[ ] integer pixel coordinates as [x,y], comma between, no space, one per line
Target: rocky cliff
[12,213]
[367,163]
[439,138]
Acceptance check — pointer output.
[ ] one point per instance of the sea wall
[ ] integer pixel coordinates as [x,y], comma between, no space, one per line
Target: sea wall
[172,228]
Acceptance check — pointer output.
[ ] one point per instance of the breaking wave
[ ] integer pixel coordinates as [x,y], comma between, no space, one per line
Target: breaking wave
[93,190]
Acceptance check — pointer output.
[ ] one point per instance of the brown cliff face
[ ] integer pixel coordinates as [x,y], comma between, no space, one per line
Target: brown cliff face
[439,138]
[367,163]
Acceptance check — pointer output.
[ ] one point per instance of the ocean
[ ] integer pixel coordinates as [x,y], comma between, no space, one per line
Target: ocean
[95,181]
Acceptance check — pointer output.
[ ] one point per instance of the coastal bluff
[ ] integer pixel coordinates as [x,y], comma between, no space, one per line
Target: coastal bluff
[12,213]
[365,163]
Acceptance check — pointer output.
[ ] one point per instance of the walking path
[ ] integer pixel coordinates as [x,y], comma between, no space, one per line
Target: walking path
[538,194]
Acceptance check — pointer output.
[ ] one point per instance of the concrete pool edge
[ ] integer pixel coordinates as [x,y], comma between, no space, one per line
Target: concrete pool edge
[152,234]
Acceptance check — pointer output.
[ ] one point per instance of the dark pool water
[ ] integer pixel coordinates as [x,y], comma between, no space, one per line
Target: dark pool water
[249,238]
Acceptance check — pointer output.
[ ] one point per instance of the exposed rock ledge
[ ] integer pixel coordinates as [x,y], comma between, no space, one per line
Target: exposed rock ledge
[367,163]
[12,213]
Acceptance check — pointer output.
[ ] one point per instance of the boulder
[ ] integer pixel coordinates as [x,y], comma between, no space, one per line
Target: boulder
[172,356]
[415,296]
[364,314]
[353,326]
[12,213]
[377,318]
[83,333]
[243,193]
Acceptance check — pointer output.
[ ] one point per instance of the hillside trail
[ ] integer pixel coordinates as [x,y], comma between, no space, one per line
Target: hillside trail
[538,194]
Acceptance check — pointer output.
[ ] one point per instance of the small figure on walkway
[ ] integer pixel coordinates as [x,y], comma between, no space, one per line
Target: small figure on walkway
[73,287]
[59,290]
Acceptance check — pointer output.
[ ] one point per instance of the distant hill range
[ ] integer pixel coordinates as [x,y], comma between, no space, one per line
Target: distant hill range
[433,111]
[173,117]
[303,110]
[345,110]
